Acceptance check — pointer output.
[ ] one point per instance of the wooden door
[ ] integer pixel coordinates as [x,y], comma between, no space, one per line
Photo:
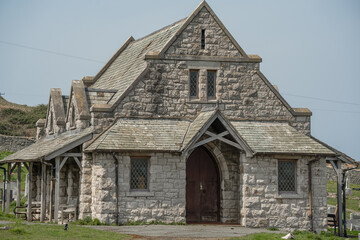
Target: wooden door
[202,187]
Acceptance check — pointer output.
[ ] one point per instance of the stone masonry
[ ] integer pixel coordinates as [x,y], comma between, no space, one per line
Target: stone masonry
[263,206]
[13,143]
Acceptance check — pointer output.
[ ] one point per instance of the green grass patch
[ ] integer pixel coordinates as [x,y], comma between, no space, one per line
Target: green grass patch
[352,202]
[299,235]
[52,231]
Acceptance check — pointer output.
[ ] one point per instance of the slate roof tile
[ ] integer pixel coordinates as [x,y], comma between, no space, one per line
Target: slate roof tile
[48,145]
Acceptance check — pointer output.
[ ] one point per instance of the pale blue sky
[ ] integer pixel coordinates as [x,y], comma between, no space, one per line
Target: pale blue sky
[309,49]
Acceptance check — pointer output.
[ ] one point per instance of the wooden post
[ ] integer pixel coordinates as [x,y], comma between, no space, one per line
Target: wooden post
[43,192]
[18,183]
[51,199]
[29,207]
[57,189]
[7,204]
[339,198]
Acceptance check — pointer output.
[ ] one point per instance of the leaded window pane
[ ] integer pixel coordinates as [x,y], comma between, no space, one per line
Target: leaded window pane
[211,84]
[193,83]
[286,176]
[139,173]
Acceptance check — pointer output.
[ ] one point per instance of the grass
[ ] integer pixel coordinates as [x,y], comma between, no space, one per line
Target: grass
[54,231]
[352,202]
[299,235]
[20,230]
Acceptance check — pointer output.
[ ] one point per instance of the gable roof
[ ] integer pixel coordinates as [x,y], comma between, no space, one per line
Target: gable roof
[171,135]
[50,146]
[202,5]
[273,137]
[203,122]
[128,63]
[141,135]
[78,95]
[58,107]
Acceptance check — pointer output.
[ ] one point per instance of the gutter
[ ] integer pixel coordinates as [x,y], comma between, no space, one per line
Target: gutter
[116,162]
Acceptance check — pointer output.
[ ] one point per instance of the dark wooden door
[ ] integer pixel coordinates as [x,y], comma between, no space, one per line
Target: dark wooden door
[202,187]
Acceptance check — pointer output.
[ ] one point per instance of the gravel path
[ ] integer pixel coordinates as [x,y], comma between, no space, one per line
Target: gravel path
[183,231]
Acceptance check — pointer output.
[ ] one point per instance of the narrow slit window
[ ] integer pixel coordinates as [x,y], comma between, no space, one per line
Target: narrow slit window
[287,176]
[203,39]
[211,83]
[194,76]
[139,174]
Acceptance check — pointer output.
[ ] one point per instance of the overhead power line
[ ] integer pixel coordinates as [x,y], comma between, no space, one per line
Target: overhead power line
[323,99]
[330,110]
[51,52]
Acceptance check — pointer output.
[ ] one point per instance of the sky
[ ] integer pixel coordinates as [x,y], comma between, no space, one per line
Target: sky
[310,49]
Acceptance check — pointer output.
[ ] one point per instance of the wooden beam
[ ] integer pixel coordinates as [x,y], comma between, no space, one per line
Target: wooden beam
[71,154]
[235,135]
[210,139]
[68,147]
[7,203]
[225,140]
[43,192]
[13,168]
[78,163]
[217,135]
[339,198]
[29,207]
[18,183]
[26,165]
[63,162]
[57,189]
[334,166]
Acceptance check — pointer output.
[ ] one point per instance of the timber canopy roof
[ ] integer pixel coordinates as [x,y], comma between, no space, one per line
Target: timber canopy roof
[172,135]
[51,146]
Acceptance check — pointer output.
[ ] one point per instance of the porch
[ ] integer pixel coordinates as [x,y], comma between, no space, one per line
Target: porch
[54,177]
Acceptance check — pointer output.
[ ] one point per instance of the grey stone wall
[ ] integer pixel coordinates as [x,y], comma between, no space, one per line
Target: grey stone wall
[263,206]
[242,94]
[85,199]
[13,143]
[217,42]
[165,200]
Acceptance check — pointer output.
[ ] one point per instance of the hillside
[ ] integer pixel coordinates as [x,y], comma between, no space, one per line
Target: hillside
[19,120]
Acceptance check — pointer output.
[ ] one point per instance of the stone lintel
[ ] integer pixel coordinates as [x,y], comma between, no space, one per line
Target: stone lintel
[302,112]
[40,122]
[152,55]
[100,107]
[254,59]
[88,80]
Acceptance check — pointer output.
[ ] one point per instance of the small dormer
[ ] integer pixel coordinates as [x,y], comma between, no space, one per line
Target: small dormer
[55,118]
[78,114]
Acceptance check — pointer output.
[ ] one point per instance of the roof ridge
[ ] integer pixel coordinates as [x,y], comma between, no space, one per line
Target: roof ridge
[159,30]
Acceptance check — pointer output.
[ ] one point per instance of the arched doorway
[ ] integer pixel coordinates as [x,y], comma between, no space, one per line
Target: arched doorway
[202,187]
